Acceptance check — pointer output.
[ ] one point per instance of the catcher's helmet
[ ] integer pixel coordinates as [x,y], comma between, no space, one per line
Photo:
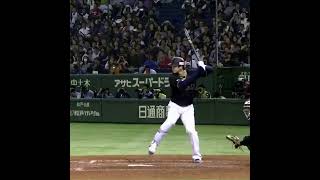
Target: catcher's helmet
[246,109]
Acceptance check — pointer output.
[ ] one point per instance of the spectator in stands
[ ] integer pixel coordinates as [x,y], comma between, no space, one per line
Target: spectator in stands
[95,12]
[74,17]
[119,66]
[202,92]
[150,63]
[103,57]
[122,93]
[78,92]
[145,92]
[86,93]
[133,58]
[85,31]
[98,67]
[163,60]
[104,93]
[86,67]
[95,53]
[159,94]
[232,22]
[132,29]
[238,90]
[76,69]
[147,70]
[75,92]
[104,8]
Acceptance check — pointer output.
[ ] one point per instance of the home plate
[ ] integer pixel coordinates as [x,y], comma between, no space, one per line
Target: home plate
[92,161]
[79,169]
[139,165]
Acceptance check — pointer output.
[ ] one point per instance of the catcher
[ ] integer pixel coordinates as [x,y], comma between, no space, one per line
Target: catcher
[246,140]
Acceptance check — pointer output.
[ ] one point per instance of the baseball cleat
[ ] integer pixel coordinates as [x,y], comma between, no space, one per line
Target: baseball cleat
[152,148]
[197,161]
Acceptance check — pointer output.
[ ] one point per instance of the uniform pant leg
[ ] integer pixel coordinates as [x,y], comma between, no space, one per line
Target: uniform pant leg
[188,121]
[172,117]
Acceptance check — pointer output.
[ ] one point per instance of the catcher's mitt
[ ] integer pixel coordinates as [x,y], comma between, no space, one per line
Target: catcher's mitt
[235,140]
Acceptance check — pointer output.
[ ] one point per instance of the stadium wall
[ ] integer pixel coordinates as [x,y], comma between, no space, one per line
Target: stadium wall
[207,111]
[222,80]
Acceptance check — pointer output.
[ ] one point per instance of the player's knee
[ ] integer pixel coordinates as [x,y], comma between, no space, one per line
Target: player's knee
[166,126]
[191,131]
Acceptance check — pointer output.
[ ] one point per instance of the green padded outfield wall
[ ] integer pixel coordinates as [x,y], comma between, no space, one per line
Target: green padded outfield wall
[207,111]
[225,78]
[221,80]
[86,110]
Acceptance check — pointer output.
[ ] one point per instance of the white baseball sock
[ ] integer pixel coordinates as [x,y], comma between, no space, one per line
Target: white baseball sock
[194,140]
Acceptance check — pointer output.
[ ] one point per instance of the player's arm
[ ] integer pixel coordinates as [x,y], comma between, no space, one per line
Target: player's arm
[183,84]
[208,69]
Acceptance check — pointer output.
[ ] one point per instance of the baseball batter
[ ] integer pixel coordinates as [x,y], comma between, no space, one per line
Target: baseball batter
[183,90]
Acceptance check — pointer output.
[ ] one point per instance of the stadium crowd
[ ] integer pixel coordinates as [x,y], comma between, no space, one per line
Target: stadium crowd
[145,92]
[128,37]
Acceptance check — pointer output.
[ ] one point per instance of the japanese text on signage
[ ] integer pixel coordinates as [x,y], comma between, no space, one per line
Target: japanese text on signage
[153,111]
[83,104]
[135,82]
[84,113]
[80,82]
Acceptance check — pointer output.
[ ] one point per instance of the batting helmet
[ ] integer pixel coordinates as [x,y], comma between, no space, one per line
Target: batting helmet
[178,61]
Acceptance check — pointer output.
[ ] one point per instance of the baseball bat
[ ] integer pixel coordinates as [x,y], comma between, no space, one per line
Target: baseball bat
[186,32]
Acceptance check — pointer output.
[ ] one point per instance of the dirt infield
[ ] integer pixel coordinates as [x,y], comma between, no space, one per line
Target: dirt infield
[159,167]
